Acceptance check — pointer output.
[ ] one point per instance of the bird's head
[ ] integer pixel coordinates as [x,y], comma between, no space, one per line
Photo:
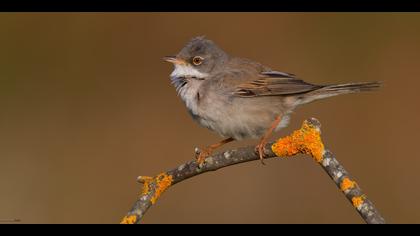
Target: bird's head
[198,59]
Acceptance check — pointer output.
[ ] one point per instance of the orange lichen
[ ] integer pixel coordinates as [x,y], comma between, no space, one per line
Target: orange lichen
[146,180]
[130,219]
[145,190]
[163,181]
[143,179]
[306,140]
[347,184]
[357,201]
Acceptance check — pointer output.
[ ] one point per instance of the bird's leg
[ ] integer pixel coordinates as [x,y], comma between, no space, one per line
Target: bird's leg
[261,145]
[201,155]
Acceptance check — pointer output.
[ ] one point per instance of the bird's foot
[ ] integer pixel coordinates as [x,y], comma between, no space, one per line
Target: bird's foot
[201,155]
[260,150]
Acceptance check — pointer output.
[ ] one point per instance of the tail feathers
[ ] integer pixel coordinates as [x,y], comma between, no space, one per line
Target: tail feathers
[337,89]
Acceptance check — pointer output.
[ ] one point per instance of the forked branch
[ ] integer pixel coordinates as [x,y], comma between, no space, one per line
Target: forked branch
[306,140]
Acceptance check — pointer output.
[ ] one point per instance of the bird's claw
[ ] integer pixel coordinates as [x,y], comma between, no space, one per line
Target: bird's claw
[260,150]
[201,155]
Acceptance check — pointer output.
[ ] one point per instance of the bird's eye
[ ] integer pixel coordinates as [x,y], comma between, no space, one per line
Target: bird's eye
[197,60]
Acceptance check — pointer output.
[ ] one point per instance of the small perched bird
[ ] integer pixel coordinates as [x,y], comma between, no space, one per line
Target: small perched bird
[239,98]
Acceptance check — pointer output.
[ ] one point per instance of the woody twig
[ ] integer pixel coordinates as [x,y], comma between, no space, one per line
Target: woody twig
[306,140]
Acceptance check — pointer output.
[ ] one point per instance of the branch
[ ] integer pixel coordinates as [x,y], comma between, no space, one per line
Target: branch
[306,140]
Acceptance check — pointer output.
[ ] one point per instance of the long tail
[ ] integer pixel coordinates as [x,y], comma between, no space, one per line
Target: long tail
[337,89]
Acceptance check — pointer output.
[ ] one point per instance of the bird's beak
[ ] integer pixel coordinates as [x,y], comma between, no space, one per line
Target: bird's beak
[174,60]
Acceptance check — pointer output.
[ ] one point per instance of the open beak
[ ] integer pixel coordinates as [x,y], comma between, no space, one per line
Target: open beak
[174,60]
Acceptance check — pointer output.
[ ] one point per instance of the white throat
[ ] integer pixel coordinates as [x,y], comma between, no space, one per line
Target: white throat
[187,71]
[187,83]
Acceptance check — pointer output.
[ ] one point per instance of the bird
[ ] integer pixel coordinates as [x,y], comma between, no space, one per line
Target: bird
[239,98]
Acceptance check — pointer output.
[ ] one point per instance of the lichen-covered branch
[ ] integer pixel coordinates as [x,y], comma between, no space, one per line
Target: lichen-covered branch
[306,140]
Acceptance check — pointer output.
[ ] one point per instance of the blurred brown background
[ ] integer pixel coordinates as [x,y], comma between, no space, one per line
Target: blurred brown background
[87,106]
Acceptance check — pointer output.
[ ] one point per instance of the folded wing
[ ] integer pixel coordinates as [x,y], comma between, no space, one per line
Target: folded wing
[274,83]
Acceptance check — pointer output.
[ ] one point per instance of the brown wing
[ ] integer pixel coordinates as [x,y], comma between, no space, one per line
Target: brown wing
[274,83]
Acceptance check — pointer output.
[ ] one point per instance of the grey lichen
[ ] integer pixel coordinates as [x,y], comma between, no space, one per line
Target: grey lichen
[226,155]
